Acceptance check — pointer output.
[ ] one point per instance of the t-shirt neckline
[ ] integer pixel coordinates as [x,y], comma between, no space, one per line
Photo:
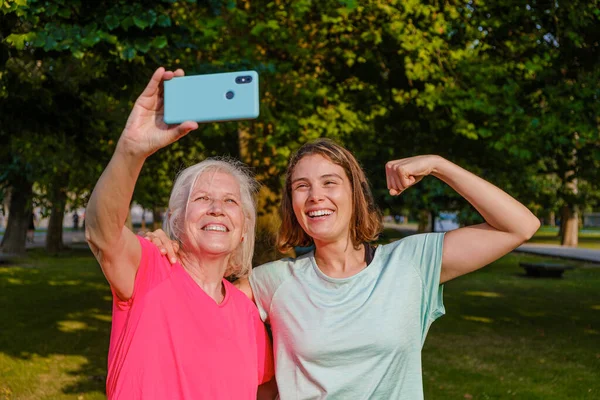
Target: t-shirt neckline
[328,278]
[202,293]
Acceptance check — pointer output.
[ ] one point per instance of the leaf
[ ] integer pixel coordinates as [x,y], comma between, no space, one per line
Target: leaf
[145,20]
[273,24]
[159,42]
[141,23]
[50,44]
[40,39]
[64,12]
[164,21]
[78,54]
[128,54]
[127,23]
[112,22]
[143,45]
[18,40]
[258,28]
[107,37]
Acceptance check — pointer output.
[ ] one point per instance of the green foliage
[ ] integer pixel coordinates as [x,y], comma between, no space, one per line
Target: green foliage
[507,90]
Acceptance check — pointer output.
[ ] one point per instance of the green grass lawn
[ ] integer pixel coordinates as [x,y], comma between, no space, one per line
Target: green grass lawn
[504,335]
[509,336]
[55,327]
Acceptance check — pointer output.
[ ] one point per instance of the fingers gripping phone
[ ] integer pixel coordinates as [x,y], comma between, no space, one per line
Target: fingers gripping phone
[213,97]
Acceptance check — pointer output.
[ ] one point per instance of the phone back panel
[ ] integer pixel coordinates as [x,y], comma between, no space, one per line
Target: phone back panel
[205,98]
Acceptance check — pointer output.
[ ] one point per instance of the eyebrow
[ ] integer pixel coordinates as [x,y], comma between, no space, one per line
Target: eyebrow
[321,177]
[197,192]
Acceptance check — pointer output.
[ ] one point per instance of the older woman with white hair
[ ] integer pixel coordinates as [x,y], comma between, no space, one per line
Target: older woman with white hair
[183,331]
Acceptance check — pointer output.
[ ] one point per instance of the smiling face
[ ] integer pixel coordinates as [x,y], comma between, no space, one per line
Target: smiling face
[214,220]
[322,198]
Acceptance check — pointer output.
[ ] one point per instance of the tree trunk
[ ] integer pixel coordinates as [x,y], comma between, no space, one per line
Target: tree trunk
[569,226]
[561,228]
[54,236]
[143,227]
[156,218]
[552,219]
[19,214]
[425,221]
[569,220]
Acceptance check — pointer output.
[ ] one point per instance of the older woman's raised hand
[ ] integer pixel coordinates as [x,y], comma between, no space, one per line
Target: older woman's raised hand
[146,131]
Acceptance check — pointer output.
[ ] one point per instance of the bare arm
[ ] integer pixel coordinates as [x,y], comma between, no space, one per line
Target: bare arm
[116,247]
[508,223]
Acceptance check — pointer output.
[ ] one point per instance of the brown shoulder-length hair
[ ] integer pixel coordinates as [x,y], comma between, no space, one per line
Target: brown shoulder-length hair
[366,221]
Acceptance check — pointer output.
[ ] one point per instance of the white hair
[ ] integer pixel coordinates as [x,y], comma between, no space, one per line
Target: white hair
[240,264]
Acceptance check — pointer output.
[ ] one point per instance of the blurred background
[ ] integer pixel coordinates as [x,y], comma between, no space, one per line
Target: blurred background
[508,89]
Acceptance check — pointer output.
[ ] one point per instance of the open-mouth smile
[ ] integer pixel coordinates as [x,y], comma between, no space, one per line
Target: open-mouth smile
[215,228]
[319,213]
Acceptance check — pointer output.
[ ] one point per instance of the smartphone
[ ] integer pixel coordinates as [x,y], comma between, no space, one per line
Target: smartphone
[228,96]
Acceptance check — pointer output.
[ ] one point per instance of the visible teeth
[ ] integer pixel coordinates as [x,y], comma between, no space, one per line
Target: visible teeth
[219,228]
[319,213]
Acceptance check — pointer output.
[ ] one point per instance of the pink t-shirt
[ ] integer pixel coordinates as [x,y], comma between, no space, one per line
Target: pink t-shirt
[172,341]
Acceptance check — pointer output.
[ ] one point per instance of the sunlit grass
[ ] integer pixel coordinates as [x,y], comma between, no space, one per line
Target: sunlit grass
[54,341]
[538,339]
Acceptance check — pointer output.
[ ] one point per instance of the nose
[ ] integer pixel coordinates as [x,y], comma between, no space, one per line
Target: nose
[315,195]
[216,207]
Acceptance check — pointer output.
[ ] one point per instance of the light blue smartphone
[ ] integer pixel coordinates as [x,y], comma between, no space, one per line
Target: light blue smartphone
[228,96]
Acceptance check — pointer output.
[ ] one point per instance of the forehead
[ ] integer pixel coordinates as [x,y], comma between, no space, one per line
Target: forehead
[217,182]
[315,165]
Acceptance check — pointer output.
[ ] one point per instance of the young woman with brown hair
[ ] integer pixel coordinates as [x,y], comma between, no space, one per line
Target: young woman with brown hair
[348,319]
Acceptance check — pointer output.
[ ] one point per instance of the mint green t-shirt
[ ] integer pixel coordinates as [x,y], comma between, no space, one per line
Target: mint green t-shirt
[358,337]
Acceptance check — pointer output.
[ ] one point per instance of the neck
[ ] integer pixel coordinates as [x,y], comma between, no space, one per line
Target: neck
[340,259]
[207,272]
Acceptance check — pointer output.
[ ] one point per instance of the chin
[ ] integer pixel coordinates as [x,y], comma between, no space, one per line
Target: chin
[323,236]
[217,250]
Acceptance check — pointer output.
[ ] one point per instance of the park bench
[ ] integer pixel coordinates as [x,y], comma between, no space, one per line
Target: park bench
[540,270]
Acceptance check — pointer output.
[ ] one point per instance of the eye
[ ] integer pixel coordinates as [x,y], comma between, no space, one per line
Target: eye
[329,183]
[202,198]
[230,201]
[300,186]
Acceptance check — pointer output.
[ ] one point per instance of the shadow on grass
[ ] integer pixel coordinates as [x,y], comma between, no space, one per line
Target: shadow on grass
[55,306]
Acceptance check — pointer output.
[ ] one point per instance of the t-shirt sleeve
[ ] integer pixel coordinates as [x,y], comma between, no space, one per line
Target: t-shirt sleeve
[153,269]
[425,251]
[264,348]
[265,280]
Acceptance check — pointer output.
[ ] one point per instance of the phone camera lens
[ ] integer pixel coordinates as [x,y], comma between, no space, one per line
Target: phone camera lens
[243,79]
[229,95]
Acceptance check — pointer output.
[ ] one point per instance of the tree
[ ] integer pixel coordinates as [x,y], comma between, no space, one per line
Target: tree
[544,57]
[72,58]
